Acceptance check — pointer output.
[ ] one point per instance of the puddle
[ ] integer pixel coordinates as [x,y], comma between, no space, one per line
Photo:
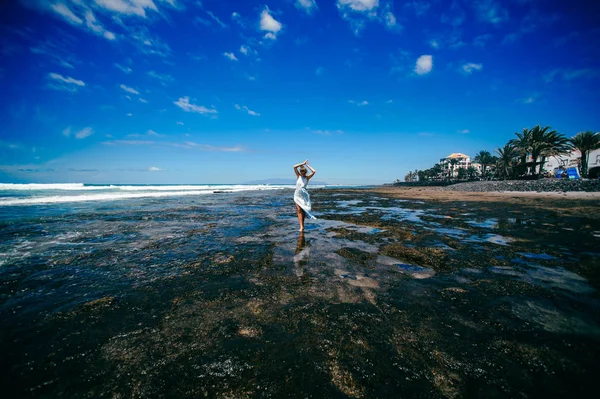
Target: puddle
[486,224]
[530,255]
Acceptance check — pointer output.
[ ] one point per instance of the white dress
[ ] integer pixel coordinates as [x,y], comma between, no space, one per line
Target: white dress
[301,196]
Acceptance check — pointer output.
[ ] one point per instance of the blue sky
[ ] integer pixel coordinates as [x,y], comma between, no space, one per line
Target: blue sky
[214,91]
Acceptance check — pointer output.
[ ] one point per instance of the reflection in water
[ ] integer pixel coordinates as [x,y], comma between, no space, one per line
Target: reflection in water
[301,255]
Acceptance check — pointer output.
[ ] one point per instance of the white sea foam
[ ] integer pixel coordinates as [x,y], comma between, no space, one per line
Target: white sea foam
[112,196]
[53,186]
[237,187]
[82,187]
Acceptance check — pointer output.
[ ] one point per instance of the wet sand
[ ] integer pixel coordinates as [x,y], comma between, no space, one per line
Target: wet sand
[382,297]
[571,203]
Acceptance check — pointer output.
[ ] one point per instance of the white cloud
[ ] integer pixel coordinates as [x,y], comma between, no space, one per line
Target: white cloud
[359,103]
[66,13]
[469,68]
[324,132]
[128,7]
[358,5]
[123,68]
[424,65]
[66,80]
[184,104]
[57,50]
[66,64]
[246,109]
[64,83]
[180,123]
[247,50]
[67,131]
[143,100]
[94,26]
[148,44]
[464,131]
[217,20]
[231,56]
[390,19]
[237,18]
[164,78]
[154,169]
[434,43]
[358,12]
[307,5]
[269,24]
[185,144]
[206,147]
[528,100]
[129,89]
[85,132]
[69,15]
[129,114]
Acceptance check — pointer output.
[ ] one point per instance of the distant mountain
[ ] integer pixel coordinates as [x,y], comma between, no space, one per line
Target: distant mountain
[283,181]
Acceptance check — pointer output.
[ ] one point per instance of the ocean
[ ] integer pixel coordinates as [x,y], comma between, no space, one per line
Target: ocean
[211,291]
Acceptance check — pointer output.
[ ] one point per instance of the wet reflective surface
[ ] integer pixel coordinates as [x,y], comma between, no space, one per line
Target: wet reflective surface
[221,296]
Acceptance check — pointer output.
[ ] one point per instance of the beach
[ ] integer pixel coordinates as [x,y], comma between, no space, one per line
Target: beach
[391,292]
[583,203]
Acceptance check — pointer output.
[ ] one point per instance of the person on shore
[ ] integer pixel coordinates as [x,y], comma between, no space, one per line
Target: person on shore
[301,197]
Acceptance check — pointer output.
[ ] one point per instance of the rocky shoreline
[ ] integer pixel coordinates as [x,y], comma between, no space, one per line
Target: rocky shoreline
[541,185]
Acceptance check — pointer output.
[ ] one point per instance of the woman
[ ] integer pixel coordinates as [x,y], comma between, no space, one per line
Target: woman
[301,197]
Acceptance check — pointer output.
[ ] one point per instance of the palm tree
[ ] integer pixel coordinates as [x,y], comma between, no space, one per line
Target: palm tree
[411,176]
[586,142]
[453,163]
[522,145]
[506,158]
[538,142]
[436,170]
[553,144]
[471,172]
[484,158]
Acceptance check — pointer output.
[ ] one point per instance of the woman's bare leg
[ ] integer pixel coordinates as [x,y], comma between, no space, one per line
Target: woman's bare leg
[301,216]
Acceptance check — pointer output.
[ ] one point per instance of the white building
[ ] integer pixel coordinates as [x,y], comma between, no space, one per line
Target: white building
[462,161]
[574,159]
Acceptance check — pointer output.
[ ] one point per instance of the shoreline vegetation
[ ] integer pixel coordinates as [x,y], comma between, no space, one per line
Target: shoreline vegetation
[523,157]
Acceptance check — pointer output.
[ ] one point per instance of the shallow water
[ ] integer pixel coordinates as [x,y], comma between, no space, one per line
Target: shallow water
[220,296]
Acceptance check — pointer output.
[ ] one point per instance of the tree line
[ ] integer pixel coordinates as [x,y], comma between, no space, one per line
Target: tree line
[524,155]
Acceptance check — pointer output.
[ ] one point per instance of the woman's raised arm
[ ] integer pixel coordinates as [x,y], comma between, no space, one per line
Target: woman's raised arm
[298,165]
[311,168]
